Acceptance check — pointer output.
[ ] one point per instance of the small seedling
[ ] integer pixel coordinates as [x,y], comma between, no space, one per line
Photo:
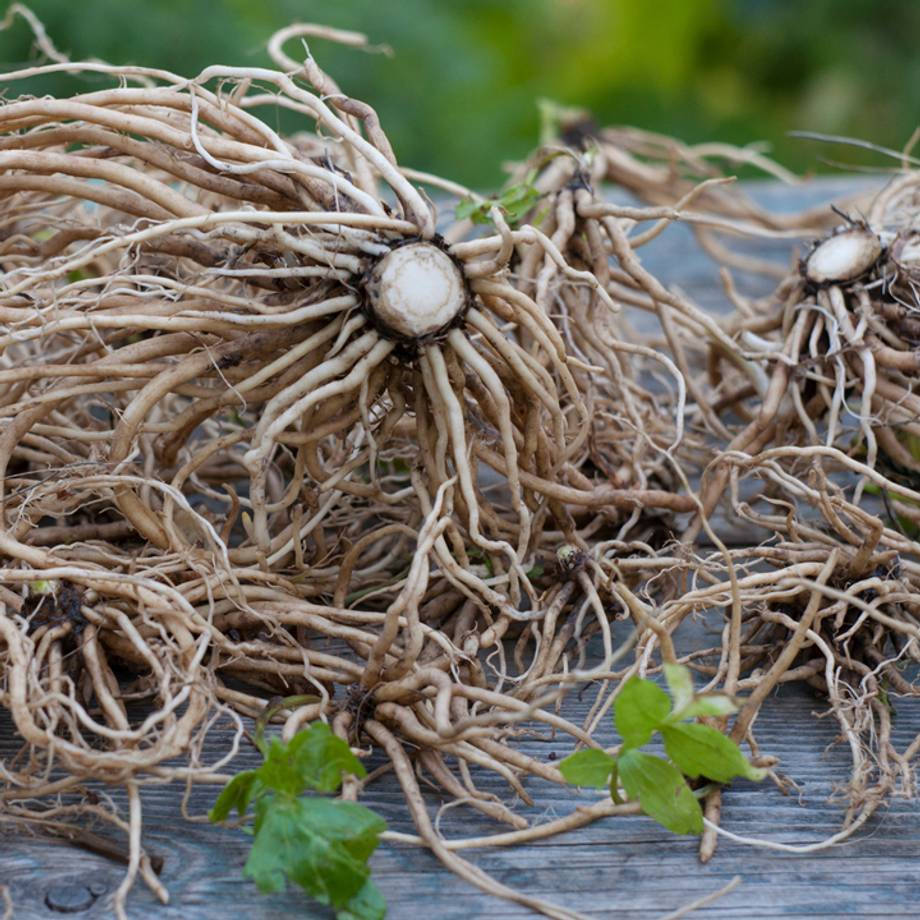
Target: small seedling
[319,843]
[478,557]
[694,750]
[514,203]
[536,571]
[41,587]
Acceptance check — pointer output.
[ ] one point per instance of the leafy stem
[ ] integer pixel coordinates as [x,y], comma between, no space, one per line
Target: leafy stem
[693,750]
[320,844]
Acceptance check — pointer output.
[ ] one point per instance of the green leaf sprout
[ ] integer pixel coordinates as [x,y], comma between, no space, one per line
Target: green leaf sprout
[320,844]
[660,785]
[514,203]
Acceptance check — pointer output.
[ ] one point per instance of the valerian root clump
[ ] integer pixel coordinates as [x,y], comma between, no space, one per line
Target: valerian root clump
[257,404]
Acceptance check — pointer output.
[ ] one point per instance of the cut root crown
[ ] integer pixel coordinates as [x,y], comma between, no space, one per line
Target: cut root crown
[416,290]
[843,257]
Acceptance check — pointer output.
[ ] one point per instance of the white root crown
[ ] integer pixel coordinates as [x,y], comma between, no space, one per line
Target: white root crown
[416,290]
[843,257]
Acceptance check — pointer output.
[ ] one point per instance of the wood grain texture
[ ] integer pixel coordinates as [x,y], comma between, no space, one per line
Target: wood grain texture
[625,868]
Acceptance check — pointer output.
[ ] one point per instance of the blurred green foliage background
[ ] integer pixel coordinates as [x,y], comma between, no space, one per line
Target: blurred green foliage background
[459,96]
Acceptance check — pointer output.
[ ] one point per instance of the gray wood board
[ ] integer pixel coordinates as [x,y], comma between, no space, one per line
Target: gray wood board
[626,868]
[620,867]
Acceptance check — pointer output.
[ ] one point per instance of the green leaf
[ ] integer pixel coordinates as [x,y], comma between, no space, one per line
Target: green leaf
[518,200]
[314,759]
[702,751]
[323,858]
[588,768]
[536,572]
[321,758]
[367,904]
[238,793]
[318,843]
[278,771]
[356,827]
[639,709]
[680,685]
[715,704]
[687,705]
[662,792]
[514,203]
[470,208]
[275,835]
[476,211]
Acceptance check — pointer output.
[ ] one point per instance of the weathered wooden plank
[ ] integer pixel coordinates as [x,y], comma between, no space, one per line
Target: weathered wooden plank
[619,868]
[625,868]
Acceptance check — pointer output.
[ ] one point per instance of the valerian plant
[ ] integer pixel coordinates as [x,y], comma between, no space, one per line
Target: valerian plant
[320,844]
[694,750]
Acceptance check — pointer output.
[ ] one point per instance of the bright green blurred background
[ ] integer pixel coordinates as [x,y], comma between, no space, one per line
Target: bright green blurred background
[459,96]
